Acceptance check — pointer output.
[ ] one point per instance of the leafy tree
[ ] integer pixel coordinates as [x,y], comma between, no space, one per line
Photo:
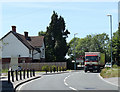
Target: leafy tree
[91,43]
[41,33]
[116,46]
[55,39]
[72,47]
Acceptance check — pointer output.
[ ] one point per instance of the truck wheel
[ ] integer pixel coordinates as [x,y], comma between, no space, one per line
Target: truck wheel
[98,70]
[91,70]
[85,71]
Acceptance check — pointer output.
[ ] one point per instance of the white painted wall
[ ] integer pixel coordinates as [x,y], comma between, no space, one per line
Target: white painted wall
[14,47]
[0,49]
[37,55]
[42,51]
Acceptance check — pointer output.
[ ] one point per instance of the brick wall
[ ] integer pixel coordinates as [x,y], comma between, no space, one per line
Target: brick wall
[36,66]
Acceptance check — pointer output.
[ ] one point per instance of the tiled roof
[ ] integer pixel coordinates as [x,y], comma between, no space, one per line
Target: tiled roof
[31,43]
[36,41]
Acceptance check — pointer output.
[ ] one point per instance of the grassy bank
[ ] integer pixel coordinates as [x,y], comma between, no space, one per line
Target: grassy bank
[110,72]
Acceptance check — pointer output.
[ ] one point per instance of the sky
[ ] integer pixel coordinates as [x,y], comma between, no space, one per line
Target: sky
[83,18]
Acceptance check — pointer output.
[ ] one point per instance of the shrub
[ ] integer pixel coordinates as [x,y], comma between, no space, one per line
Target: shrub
[45,68]
[59,69]
[54,68]
[115,66]
[64,68]
[50,69]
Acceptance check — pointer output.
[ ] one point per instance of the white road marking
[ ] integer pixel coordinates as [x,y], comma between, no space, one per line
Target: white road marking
[67,84]
[72,88]
[19,88]
[107,81]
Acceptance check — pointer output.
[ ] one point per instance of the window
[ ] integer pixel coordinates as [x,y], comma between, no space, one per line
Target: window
[91,58]
[29,51]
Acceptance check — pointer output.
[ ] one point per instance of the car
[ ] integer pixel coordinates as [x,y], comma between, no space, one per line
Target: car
[108,65]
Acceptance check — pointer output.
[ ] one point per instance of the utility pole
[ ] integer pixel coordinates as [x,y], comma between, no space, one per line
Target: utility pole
[111,35]
[74,53]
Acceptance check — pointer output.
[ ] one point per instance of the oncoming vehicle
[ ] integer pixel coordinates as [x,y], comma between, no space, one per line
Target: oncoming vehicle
[108,65]
[94,61]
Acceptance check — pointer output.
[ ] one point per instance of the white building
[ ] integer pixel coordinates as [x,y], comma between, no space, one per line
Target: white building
[26,48]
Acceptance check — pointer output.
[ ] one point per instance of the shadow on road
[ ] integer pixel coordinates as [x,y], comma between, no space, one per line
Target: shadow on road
[67,91]
[7,87]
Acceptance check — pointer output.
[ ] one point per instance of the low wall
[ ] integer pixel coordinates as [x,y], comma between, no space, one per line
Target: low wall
[36,66]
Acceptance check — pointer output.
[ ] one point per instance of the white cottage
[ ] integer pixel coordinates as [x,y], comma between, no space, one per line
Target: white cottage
[26,48]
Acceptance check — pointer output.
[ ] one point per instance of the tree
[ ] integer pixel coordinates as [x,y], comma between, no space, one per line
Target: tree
[41,33]
[116,46]
[55,39]
[91,43]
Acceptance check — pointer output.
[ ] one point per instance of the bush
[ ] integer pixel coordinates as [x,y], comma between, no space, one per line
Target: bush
[59,69]
[115,66]
[45,68]
[108,73]
[54,68]
[50,69]
[64,68]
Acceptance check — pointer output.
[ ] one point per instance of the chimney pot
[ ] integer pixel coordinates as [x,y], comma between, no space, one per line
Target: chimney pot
[14,28]
[26,34]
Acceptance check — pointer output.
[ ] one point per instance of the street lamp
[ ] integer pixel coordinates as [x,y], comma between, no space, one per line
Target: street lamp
[74,52]
[111,35]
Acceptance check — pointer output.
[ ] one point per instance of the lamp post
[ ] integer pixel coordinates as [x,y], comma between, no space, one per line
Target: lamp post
[74,52]
[111,35]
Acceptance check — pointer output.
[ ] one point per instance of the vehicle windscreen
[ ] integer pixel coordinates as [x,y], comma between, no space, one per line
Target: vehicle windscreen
[91,58]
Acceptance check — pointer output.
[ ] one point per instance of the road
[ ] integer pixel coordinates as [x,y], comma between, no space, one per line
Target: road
[69,81]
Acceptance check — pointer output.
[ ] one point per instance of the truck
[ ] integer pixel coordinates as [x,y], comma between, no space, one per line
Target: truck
[94,61]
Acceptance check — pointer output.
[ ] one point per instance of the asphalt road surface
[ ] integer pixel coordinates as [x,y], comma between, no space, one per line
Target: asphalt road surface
[75,81]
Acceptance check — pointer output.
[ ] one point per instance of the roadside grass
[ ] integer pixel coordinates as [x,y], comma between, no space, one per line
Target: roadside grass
[110,72]
[4,70]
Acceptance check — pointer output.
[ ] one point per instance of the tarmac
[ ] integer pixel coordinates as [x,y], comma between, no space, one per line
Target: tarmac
[12,86]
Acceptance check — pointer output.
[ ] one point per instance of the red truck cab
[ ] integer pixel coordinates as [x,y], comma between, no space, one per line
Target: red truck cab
[91,61]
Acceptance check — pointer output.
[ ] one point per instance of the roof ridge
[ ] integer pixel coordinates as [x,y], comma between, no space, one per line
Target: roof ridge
[35,41]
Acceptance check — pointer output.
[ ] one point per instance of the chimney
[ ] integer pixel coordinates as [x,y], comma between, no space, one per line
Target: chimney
[14,29]
[26,35]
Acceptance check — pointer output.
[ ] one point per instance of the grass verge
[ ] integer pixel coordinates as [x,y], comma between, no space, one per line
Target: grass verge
[110,72]
[4,70]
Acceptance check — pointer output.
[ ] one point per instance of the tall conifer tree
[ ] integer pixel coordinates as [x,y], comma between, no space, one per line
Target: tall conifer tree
[55,40]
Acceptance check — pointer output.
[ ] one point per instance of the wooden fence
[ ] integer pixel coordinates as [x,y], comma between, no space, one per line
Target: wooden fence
[36,66]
